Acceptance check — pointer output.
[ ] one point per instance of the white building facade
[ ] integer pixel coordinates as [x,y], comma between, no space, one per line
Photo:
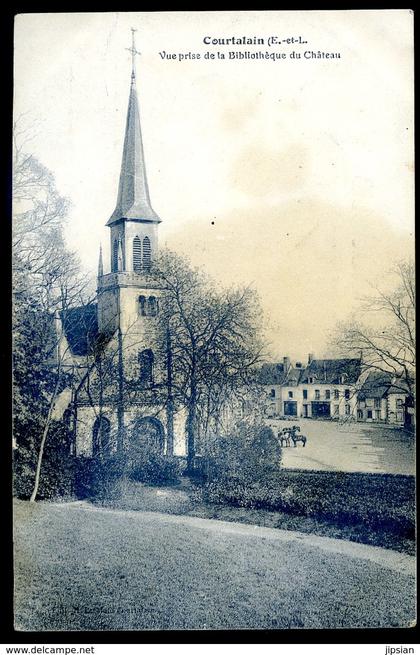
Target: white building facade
[332,389]
[321,389]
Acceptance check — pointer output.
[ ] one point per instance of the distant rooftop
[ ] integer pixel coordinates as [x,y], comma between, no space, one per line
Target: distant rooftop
[321,371]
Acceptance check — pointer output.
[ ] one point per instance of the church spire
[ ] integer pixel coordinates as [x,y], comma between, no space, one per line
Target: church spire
[133,201]
[100,263]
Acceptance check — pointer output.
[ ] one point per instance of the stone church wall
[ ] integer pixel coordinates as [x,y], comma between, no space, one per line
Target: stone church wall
[86,417]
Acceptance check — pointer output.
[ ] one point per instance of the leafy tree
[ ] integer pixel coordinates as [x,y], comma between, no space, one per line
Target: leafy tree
[46,281]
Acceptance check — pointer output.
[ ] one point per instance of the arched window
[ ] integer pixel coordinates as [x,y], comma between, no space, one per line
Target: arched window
[146,359]
[136,254]
[152,306]
[101,437]
[142,305]
[115,256]
[147,254]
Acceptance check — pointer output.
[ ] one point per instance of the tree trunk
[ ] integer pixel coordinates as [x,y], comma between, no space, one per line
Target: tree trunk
[170,402]
[43,440]
[120,408]
[191,426]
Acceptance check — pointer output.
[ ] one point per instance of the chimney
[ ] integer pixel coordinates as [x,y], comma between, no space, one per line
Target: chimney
[286,364]
[310,357]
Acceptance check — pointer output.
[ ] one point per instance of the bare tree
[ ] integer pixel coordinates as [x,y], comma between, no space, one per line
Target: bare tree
[386,343]
[214,339]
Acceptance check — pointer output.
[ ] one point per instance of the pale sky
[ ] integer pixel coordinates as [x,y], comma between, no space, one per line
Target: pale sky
[305,166]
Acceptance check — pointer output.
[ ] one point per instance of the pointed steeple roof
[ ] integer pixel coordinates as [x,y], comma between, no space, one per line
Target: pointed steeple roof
[133,193]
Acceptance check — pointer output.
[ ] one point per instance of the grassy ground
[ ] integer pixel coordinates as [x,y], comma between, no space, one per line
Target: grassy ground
[185,499]
[78,567]
[305,524]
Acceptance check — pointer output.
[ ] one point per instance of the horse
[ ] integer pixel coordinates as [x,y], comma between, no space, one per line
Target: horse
[290,434]
[294,436]
[286,434]
[299,437]
[284,437]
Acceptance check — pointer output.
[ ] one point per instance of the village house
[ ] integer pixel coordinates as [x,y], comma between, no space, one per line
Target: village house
[381,400]
[333,389]
[397,409]
[324,388]
[372,398]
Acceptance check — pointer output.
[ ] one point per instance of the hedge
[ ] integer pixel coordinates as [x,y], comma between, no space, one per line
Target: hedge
[381,502]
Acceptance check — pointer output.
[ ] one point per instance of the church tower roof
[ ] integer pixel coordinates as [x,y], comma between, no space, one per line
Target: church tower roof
[133,201]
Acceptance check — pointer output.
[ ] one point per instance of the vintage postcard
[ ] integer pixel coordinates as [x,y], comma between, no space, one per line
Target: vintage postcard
[213,321]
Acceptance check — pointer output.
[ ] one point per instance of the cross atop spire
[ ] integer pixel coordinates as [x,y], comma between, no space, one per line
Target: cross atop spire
[134,52]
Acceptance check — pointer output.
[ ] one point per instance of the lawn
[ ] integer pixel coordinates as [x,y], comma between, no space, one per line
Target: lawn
[378,510]
[79,567]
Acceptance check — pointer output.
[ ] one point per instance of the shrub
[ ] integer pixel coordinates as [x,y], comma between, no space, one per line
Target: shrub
[249,452]
[99,478]
[57,470]
[156,470]
[84,475]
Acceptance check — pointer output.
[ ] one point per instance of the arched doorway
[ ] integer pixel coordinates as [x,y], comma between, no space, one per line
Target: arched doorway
[147,438]
[101,437]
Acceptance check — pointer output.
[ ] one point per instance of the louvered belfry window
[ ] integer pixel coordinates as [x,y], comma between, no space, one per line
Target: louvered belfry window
[147,254]
[115,256]
[137,254]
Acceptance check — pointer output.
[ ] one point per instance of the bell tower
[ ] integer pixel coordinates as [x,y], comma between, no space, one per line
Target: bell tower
[133,376]
[128,295]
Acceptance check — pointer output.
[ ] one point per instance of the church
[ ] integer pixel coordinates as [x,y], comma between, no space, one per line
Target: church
[119,400]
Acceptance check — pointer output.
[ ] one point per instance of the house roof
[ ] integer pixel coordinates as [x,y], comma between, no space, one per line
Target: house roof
[376,385]
[379,384]
[293,375]
[398,389]
[80,326]
[324,371]
[330,371]
[271,374]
